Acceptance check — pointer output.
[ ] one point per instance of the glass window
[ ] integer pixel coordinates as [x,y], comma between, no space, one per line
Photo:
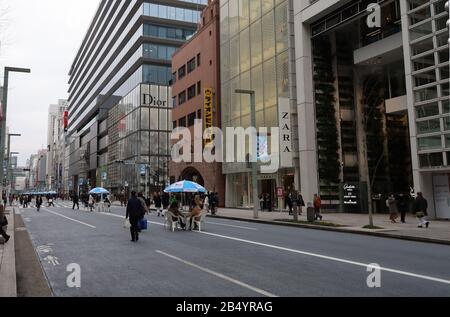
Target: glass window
[191,119]
[429,126]
[256,43]
[191,65]
[281,27]
[426,94]
[268,35]
[234,16]
[145,118]
[428,110]
[431,160]
[425,78]
[421,30]
[234,51]
[244,50]
[430,143]
[255,10]
[244,13]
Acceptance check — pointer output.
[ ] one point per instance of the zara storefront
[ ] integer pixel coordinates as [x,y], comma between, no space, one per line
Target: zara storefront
[373,98]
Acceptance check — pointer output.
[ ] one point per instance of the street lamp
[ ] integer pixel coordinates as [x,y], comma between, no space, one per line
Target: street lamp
[252,95]
[4,112]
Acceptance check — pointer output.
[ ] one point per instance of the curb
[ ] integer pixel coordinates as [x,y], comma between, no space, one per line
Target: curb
[8,285]
[343,230]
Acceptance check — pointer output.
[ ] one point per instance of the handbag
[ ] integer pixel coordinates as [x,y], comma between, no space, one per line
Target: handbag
[127,224]
[143,224]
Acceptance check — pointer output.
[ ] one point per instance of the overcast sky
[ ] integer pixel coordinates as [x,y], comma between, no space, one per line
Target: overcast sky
[43,35]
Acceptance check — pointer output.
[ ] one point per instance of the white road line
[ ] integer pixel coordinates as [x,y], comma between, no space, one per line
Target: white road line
[325,257]
[330,258]
[233,226]
[74,220]
[224,277]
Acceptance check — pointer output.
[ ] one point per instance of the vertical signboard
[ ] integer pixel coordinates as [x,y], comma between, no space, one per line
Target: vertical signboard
[208,115]
[285,124]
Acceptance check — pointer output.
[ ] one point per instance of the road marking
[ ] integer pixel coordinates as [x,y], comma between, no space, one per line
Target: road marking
[330,258]
[224,277]
[74,220]
[233,226]
[325,257]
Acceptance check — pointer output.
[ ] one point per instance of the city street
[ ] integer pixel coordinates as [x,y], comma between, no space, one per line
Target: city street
[229,259]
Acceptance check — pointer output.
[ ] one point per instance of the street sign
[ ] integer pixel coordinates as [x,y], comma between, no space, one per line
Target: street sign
[104,176]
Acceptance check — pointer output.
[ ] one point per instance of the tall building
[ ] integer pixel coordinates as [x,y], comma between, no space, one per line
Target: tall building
[127,43]
[56,146]
[373,101]
[257,53]
[196,95]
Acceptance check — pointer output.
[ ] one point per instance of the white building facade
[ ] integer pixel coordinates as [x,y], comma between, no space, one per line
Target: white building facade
[373,101]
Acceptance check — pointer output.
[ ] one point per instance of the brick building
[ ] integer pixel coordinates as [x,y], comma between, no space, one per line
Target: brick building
[196,69]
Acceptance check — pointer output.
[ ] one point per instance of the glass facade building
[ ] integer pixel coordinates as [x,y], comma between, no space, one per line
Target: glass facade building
[256,54]
[139,132]
[127,43]
[380,103]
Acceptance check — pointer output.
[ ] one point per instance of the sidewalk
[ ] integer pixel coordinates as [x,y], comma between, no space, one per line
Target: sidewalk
[439,231]
[8,286]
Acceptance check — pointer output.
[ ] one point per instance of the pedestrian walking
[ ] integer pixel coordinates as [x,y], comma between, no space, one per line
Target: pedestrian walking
[135,212]
[91,203]
[403,205]
[165,200]
[76,201]
[420,208]
[158,203]
[288,201]
[317,207]
[38,203]
[393,208]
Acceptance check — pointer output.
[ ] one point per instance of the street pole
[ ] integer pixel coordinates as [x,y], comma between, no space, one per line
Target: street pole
[3,122]
[8,156]
[254,159]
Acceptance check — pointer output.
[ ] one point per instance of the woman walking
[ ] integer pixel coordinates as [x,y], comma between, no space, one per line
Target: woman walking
[393,208]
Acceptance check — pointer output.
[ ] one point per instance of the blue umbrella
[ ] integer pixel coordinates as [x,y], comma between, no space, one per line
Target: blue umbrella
[185,187]
[99,191]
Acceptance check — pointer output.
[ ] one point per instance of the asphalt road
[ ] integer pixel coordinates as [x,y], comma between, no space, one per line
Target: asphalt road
[229,259]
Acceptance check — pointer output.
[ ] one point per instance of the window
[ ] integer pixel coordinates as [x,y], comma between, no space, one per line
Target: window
[182,72]
[199,114]
[198,60]
[182,122]
[174,124]
[174,102]
[191,65]
[191,119]
[182,98]
[191,92]
[199,88]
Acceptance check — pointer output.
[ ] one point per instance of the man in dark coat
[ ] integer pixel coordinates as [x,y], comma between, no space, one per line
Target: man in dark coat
[76,201]
[135,212]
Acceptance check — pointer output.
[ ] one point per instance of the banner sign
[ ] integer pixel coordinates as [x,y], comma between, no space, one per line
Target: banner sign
[208,115]
[285,123]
